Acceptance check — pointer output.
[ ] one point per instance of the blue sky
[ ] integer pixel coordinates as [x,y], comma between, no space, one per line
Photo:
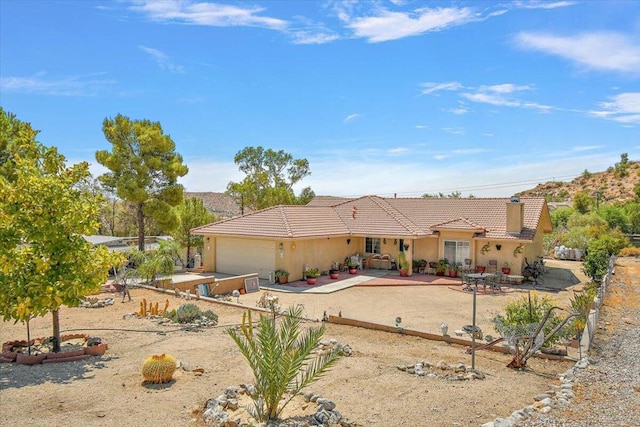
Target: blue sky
[382,97]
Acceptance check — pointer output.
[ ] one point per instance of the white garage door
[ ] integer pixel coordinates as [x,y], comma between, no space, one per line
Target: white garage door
[240,256]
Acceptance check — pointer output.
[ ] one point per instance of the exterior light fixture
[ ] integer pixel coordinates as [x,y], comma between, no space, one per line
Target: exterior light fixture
[281,247]
[348,241]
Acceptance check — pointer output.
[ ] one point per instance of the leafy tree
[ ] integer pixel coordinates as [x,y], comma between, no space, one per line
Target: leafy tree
[191,213]
[615,217]
[560,217]
[281,358]
[596,260]
[632,212]
[44,212]
[582,202]
[270,177]
[621,168]
[144,169]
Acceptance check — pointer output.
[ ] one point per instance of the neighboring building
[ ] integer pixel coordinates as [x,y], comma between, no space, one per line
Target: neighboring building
[121,244]
[323,233]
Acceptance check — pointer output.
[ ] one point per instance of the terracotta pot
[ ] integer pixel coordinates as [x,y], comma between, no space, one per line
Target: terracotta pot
[453,273]
[334,275]
[311,280]
[243,291]
[353,271]
[65,354]
[30,359]
[96,350]
[506,270]
[404,273]
[283,280]
[480,268]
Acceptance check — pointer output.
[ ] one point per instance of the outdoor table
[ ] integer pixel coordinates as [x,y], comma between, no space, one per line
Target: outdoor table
[479,278]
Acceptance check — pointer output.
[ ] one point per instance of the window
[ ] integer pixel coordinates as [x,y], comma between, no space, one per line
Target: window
[372,245]
[455,251]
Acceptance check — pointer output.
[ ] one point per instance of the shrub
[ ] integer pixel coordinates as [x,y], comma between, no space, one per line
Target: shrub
[211,316]
[526,311]
[187,313]
[630,251]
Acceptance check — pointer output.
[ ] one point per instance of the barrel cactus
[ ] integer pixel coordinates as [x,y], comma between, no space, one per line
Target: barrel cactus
[159,369]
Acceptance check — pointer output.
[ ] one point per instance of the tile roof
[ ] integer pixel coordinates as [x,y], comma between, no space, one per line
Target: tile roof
[377,216]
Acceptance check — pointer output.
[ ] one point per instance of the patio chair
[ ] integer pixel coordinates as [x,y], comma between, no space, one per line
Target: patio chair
[366,262]
[466,266]
[385,262]
[375,261]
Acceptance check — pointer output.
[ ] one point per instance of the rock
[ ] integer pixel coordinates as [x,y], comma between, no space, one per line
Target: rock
[326,404]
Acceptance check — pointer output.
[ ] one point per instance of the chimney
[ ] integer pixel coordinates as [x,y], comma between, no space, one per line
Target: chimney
[515,215]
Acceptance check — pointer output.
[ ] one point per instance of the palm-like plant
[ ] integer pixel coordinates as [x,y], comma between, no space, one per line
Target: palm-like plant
[280,356]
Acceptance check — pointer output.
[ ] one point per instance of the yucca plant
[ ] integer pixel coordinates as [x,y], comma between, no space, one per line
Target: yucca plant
[282,359]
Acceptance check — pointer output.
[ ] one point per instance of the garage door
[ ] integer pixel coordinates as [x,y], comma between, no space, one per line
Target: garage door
[240,256]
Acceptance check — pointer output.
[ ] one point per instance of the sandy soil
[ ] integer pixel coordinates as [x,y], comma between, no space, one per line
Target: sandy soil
[367,387]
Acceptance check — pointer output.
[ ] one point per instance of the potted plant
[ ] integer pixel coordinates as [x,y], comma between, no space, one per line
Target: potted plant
[282,276]
[334,273]
[353,267]
[312,275]
[404,264]
[453,269]
[506,268]
[481,268]
[441,267]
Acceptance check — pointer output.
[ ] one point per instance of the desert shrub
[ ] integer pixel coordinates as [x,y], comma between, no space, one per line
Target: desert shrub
[187,313]
[210,315]
[525,311]
[170,314]
[629,251]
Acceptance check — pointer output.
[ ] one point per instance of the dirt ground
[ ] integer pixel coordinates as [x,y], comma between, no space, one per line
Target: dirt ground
[367,387]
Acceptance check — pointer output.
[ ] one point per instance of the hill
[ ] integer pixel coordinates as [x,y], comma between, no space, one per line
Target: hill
[610,184]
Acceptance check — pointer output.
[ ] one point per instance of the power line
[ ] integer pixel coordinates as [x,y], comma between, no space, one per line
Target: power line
[482,187]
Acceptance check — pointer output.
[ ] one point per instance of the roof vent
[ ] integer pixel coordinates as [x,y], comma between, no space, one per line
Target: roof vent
[514,199]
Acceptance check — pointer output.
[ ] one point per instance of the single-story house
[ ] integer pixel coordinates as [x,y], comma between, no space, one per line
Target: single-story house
[293,238]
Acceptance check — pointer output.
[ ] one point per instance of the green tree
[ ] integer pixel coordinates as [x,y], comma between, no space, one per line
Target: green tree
[270,177]
[560,217]
[582,202]
[596,260]
[281,358]
[44,212]
[621,168]
[615,217]
[144,169]
[191,214]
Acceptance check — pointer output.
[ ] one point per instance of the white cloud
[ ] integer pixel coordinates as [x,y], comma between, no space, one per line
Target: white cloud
[387,25]
[458,111]
[430,87]
[623,108]
[162,60]
[580,148]
[421,126]
[308,37]
[536,4]
[351,117]
[40,84]
[454,131]
[503,95]
[606,51]
[209,14]
[398,150]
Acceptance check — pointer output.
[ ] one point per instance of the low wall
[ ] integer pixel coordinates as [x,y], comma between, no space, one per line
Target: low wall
[215,286]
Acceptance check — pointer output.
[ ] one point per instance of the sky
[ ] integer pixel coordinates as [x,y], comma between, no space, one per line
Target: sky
[394,98]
